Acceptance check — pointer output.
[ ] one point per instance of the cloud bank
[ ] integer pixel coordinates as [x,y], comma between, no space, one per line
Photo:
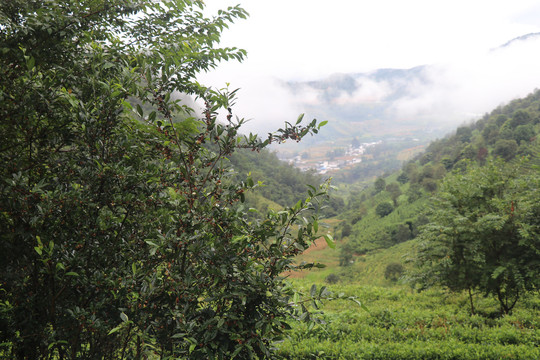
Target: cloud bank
[474,85]
[442,94]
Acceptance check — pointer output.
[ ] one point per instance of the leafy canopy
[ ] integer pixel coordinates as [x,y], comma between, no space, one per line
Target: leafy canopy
[123,233]
[483,233]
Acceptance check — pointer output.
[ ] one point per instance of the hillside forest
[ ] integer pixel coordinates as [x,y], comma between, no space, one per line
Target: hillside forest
[136,224]
[444,252]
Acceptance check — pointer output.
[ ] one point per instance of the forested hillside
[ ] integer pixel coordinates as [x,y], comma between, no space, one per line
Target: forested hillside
[390,211]
[444,253]
[281,183]
[126,221]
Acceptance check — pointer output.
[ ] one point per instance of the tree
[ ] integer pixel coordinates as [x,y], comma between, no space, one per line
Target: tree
[490,133]
[380,185]
[332,279]
[346,254]
[520,117]
[429,184]
[393,271]
[464,134]
[401,233]
[384,209]
[403,178]
[505,149]
[414,193]
[484,233]
[122,230]
[524,133]
[394,191]
[346,230]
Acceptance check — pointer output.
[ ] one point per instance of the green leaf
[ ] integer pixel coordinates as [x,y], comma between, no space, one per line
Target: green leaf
[322,123]
[498,271]
[124,317]
[30,63]
[140,110]
[330,241]
[151,243]
[359,303]
[313,290]
[115,329]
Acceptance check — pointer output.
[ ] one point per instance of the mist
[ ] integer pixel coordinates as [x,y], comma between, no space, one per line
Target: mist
[473,85]
[446,94]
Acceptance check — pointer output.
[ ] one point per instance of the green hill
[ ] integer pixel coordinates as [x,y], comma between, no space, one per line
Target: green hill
[509,133]
[378,236]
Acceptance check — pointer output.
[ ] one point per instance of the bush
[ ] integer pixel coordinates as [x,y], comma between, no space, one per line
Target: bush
[393,271]
[121,230]
[384,209]
[332,279]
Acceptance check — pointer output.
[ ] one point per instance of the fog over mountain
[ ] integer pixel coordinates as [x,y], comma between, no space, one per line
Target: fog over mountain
[434,97]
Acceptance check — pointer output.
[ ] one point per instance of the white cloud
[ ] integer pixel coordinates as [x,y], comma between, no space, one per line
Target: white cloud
[368,91]
[308,40]
[475,84]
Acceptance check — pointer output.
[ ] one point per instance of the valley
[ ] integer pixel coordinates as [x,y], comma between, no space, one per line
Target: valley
[140,218]
[376,258]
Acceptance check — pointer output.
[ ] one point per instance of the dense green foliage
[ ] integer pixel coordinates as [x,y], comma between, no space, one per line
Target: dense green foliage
[123,233]
[281,183]
[124,229]
[484,233]
[403,325]
[508,133]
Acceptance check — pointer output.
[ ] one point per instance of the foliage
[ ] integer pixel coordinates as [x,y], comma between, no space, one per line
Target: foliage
[332,279]
[402,324]
[505,149]
[394,191]
[393,271]
[281,182]
[380,185]
[346,230]
[494,135]
[384,209]
[403,178]
[122,230]
[346,253]
[484,234]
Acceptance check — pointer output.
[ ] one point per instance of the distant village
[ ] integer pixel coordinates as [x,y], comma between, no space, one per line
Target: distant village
[342,159]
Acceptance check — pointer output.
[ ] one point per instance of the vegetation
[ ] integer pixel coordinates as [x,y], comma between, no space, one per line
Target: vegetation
[123,233]
[135,226]
[466,213]
[404,325]
[419,179]
[483,234]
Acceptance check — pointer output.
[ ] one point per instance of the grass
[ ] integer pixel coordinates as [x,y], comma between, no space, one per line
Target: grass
[402,323]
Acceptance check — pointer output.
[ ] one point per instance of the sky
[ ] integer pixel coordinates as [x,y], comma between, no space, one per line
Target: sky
[295,40]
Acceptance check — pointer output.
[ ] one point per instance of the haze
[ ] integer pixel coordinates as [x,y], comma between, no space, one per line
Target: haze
[469,72]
